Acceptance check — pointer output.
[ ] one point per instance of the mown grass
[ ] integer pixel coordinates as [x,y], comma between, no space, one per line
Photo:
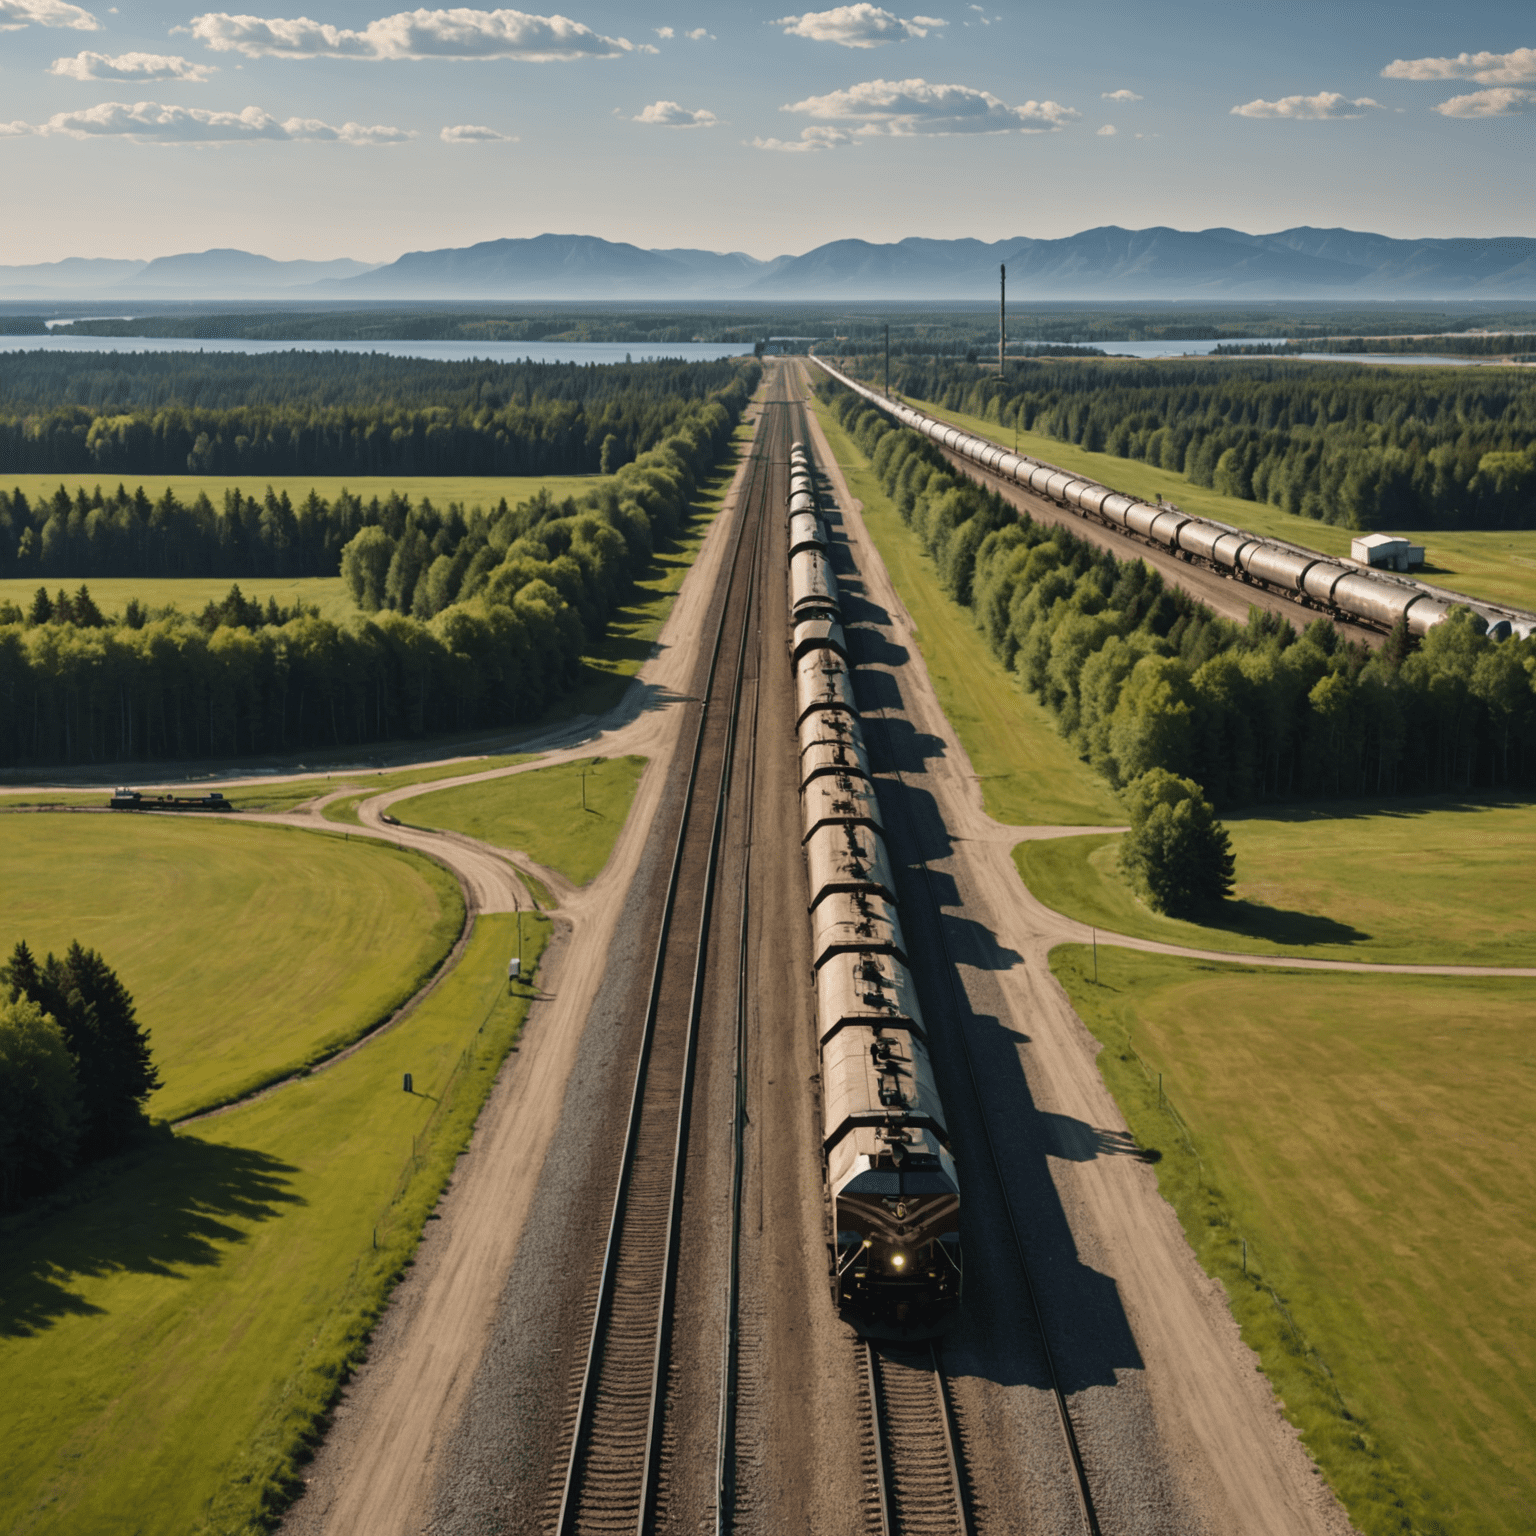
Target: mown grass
[173,1337]
[1371,1139]
[566,817]
[1447,882]
[1499,565]
[250,951]
[1029,775]
[470,490]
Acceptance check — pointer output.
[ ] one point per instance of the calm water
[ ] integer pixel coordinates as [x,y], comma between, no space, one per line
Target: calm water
[1155,349]
[438,351]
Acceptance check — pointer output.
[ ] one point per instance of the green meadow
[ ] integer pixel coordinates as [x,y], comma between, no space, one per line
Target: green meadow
[250,951]
[1413,882]
[183,1320]
[1028,774]
[190,594]
[1370,1138]
[565,817]
[1500,566]
[469,490]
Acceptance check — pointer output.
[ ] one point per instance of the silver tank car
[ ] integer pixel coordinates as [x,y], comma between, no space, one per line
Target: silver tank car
[848,922]
[822,681]
[865,987]
[817,634]
[834,798]
[848,857]
[805,532]
[812,586]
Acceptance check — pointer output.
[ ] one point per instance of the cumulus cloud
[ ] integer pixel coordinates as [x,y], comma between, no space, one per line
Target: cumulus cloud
[857,26]
[130,66]
[1119,96]
[15,14]
[1108,131]
[699,35]
[471,133]
[460,33]
[148,121]
[1486,68]
[901,108]
[1326,104]
[668,114]
[811,140]
[663,32]
[1497,101]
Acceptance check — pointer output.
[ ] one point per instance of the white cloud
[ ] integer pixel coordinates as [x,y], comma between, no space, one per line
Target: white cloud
[15,14]
[1486,68]
[460,33]
[1326,104]
[1497,101]
[699,35]
[1119,96]
[130,66]
[470,133]
[901,108]
[811,139]
[668,114]
[15,130]
[857,26]
[663,32]
[1108,131]
[150,122]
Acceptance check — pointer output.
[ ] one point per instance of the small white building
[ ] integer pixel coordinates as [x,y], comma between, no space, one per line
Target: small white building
[1387,551]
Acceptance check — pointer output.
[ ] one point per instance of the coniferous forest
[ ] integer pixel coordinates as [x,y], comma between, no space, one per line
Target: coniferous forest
[1364,447]
[1142,677]
[469,619]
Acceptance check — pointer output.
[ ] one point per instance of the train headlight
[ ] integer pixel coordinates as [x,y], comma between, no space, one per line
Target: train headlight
[899,1260]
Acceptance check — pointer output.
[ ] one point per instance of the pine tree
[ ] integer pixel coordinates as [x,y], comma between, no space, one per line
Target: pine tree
[41,610]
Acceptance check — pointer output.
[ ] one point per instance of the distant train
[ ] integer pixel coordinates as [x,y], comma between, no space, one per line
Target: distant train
[895,1259]
[1333,587]
[133,800]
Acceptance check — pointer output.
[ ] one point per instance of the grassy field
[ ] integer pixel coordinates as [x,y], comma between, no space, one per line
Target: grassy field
[249,950]
[1029,775]
[191,594]
[1500,566]
[181,1326]
[1432,881]
[565,817]
[470,490]
[1371,1139]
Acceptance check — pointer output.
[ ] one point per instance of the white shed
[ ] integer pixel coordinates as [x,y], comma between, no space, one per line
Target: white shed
[1386,550]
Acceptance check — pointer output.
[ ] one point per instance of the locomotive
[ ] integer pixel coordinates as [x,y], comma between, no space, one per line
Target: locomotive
[894,1255]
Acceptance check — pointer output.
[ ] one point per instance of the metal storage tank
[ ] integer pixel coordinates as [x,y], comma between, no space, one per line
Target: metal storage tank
[1139,517]
[834,798]
[805,532]
[1056,483]
[829,754]
[811,584]
[822,682]
[817,634]
[1010,464]
[1379,602]
[848,858]
[1279,567]
[801,501]
[1321,578]
[854,921]
[1165,527]
[1498,627]
[866,1075]
[1091,497]
[865,988]
[1114,507]
[1229,546]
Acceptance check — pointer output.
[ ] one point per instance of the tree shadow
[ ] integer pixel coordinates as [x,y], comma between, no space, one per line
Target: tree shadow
[1277,925]
[876,650]
[156,1211]
[1506,798]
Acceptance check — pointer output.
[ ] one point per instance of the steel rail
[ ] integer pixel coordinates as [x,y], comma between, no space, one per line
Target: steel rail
[961,1005]
[566,1522]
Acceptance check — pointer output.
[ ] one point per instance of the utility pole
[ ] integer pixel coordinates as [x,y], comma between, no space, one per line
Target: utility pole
[887,362]
[1002,315]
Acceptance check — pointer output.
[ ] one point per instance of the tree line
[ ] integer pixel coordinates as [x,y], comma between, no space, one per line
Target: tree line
[75,1068]
[1140,676]
[482,624]
[1364,447]
[335,413]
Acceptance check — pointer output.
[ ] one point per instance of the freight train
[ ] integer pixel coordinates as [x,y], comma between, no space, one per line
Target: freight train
[894,1255]
[1336,588]
[125,799]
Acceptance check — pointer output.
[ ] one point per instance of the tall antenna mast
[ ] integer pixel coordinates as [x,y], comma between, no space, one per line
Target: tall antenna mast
[887,362]
[1002,315]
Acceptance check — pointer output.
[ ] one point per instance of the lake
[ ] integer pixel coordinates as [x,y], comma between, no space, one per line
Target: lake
[437,351]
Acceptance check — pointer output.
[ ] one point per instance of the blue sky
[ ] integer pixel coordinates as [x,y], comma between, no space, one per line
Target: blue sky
[336,128]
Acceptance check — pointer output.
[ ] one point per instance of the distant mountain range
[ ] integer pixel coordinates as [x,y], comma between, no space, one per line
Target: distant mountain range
[1106,263]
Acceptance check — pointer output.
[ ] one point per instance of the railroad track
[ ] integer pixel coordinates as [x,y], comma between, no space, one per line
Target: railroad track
[919,1472]
[614,1463]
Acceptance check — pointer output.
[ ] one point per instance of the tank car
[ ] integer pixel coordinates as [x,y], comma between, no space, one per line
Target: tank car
[813,587]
